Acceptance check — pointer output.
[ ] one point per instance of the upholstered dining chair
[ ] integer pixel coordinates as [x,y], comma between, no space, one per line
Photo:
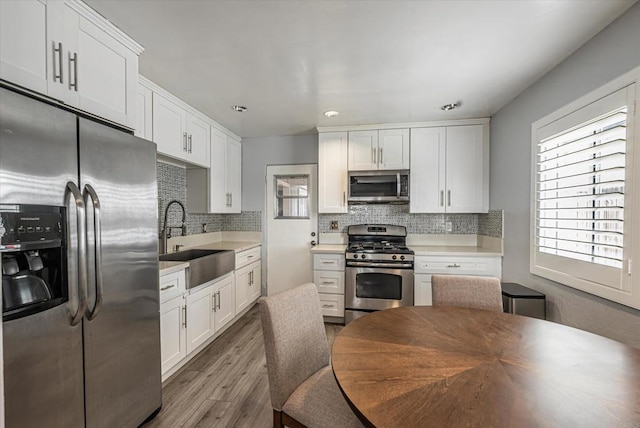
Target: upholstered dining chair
[303,389]
[467,291]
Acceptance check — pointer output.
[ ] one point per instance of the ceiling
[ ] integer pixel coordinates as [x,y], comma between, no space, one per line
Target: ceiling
[373,61]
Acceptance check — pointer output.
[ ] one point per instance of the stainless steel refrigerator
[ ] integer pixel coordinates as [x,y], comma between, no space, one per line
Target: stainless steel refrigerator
[92,358]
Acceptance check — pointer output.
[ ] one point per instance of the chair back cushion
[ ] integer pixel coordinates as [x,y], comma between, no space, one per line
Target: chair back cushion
[467,291]
[295,340]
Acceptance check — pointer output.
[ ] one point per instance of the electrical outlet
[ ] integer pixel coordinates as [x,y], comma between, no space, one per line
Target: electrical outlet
[449,226]
[334,225]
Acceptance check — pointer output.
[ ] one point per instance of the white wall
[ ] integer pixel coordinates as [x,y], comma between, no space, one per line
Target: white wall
[610,54]
[257,153]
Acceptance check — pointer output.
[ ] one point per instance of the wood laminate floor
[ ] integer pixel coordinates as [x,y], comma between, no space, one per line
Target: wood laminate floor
[226,385]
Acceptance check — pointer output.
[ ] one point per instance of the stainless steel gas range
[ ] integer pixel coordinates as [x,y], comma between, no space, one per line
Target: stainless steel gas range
[379,269]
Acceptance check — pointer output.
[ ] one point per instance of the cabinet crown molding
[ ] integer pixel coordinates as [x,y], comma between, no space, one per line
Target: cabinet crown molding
[168,95]
[104,24]
[373,127]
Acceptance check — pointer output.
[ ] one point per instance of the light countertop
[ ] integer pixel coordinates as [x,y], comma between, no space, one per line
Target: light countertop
[450,250]
[332,248]
[170,267]
[422,250]
[237,246]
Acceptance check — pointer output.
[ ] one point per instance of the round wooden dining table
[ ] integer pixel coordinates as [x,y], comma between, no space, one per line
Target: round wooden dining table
[424,366]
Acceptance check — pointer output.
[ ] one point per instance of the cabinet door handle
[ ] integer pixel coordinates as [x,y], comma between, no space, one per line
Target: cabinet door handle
[190,143]
[218,293]
[184,319]
[57,71]
[442,198]
[231,199]
[380,157]
[449,197]
[73,59]
[167,287]
[344,198]
[455,265]
[327,306]
[184,141]
[327,282]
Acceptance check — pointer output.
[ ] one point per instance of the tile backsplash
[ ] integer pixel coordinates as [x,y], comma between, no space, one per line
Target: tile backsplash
[489,224]
[172,185]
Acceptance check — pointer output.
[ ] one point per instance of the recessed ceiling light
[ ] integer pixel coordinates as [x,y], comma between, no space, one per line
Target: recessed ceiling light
[239,109]
[331,113]
[448,107]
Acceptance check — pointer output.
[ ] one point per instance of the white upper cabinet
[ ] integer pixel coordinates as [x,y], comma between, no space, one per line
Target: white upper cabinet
[393,149]
[450,169]
[169,127]
[363,150]
[178,132]
[67,51]
[426,192]
[217,189]
[332,172]
[385,149]
[23,43]
[467,169]
[234,175]
[198,141]
[144,114]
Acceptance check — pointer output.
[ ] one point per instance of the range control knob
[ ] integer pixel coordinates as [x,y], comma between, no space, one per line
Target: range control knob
[401,257]
[394,257]
[362,256]
[355,256]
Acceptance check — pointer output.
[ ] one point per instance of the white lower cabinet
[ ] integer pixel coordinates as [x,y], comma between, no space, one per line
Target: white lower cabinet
[425,266]
[248,285]
[224,306]
[191,319]
[173,335]
[328,276]
[200,321]
[248,277]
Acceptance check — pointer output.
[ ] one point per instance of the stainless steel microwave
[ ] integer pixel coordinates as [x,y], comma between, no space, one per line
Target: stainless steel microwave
[379,186]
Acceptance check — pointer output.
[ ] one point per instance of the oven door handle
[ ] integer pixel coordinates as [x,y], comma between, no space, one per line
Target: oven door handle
[379,265]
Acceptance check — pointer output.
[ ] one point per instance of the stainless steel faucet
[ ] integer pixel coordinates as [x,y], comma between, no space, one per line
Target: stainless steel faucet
[165,233]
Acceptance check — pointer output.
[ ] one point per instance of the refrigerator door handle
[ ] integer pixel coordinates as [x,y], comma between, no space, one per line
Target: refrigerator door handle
[90,193]
[72,189]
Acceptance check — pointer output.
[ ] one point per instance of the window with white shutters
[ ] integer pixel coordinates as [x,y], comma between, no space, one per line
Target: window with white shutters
[582,226]
[581,177]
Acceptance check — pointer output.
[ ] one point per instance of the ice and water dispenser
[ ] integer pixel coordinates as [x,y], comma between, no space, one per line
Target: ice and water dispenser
[33,250]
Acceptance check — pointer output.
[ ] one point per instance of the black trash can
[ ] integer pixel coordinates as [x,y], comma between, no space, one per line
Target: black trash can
[520,300]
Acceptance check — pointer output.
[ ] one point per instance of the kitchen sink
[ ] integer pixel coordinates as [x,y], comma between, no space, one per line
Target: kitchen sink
[204,265]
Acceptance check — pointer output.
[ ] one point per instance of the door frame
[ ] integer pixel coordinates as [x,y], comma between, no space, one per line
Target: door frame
[265,219]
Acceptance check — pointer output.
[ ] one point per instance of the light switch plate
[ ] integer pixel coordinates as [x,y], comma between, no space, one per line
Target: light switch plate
[334,225]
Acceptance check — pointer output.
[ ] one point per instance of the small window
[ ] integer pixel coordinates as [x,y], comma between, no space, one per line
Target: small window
[292,196]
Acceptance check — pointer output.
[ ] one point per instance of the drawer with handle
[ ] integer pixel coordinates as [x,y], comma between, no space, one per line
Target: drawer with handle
[328,262]
[332,305]
[329,281]
[245,257]
[458,265]
[172,285]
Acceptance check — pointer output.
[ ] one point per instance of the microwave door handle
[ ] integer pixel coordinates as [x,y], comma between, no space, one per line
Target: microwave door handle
[398,185]
[90,193]
[81,253]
